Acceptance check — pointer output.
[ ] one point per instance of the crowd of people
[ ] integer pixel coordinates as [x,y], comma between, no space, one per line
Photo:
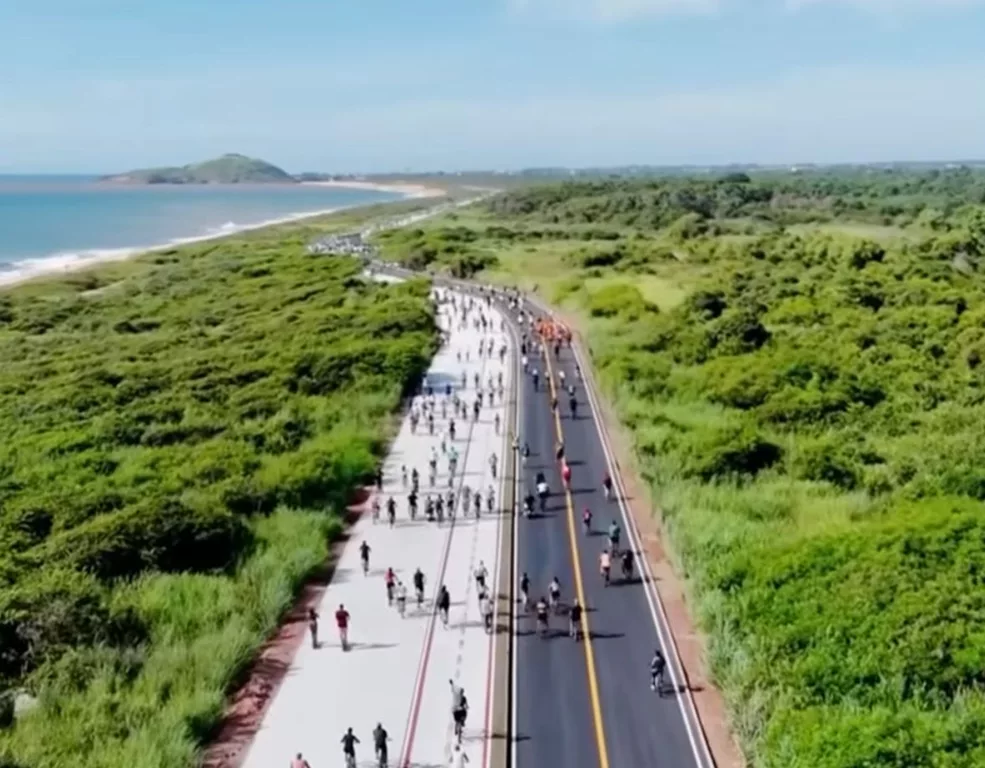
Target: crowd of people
[446,410]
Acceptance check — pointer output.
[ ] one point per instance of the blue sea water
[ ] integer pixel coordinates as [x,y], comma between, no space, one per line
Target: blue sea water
[49,223]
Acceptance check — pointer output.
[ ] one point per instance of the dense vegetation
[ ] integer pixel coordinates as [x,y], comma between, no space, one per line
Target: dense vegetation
[228,169]
[181,433]
[800,361]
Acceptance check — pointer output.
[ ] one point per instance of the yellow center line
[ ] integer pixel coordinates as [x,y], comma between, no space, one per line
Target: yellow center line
[593,685]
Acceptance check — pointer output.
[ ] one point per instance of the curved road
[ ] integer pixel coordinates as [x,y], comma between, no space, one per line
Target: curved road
[586,704]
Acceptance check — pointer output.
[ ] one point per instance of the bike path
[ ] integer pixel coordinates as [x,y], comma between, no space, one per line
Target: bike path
[397,669]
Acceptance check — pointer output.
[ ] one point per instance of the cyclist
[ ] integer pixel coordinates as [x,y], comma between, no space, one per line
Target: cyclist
[627,564]
[401,599]
[657,666]
[574,620]
[614,534]
[586,521]
[605,565]
[607,486]
[554,590]
[528,503]
[542,616]
[419,587]
[525,591]
[364,556]
[349,742]
[380,738]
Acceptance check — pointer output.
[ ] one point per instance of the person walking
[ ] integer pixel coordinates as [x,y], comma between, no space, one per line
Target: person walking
[299,761]
[313,626]
[444,604]
[342,622]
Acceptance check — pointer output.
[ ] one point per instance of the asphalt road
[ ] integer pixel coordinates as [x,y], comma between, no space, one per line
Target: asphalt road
[588,705]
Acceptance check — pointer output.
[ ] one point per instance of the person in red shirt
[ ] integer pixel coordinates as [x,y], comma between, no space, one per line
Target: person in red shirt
[566,475]
[391,583]
[342,621]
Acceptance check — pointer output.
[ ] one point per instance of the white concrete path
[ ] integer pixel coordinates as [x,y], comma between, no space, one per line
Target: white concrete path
[397,671]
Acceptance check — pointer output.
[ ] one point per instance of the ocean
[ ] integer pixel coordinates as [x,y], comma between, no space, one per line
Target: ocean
[55,223]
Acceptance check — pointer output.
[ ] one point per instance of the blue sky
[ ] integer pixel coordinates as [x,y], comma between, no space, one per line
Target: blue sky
[392,85]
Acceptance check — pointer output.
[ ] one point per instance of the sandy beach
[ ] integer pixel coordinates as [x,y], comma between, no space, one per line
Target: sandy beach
[406,189]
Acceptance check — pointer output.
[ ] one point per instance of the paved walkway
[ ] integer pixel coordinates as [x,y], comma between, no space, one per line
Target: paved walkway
[397,670]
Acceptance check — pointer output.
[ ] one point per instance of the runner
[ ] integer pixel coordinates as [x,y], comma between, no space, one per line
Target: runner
[380,738]
[459,715]
[364,557]
[614,534]
[299,762]
[342,622]
[607,486]
[493,463]
[586,521]
[349,742]
[566,475]
[376,509]
[391,510]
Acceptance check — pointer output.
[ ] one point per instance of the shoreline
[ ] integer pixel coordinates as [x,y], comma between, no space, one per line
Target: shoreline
[64,263]
[408,190]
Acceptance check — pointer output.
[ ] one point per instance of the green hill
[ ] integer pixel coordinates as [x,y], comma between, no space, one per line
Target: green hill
[228,169]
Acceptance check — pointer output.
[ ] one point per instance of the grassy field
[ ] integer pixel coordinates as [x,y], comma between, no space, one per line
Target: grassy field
[181,432]
[806,404]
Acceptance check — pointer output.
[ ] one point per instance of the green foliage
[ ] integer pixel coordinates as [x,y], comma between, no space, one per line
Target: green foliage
[809,418]
[181,432]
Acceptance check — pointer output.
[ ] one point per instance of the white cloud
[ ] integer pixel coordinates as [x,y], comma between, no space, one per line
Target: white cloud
[614,10]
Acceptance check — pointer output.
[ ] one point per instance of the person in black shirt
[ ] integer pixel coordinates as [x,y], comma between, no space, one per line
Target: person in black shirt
[657,666]
[349,742]
[574,617]
[419,586]
[380,738]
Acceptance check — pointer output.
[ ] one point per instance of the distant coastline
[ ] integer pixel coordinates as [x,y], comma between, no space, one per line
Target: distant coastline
[66,260]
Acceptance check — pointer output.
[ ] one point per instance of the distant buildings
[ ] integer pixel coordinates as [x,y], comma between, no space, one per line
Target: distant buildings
[350,244]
